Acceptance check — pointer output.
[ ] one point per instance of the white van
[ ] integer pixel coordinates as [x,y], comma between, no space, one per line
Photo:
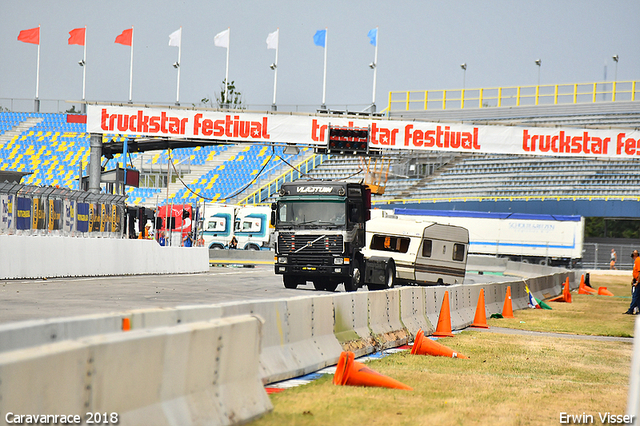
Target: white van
[423,252]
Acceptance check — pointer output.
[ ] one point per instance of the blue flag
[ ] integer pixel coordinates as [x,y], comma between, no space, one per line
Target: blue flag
[320,37]
[373,36]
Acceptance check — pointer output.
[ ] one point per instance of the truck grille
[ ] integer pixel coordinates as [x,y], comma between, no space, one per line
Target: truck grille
[307,244]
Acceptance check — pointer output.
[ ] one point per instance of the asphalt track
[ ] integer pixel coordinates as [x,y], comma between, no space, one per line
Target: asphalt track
[22,300]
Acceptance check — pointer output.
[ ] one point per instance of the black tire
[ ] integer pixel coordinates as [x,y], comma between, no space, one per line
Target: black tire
[320,284]
[331,285]
[289,281]
[253,247]
[390,276]
[216,247]
[353,282]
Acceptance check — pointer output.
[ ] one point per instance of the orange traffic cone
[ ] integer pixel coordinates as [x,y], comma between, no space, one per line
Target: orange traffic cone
[602,291]
[444,320]
[583,289]
[567,291]
[424,346]
[126,324]
[566,294]
[480,320]
[352,373]
[507,309]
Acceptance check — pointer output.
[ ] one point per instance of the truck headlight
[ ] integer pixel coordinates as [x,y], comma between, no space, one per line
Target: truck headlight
[282,259]
[338,261]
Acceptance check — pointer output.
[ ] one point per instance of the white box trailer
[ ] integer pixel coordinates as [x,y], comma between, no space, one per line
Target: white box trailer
[532,238]
[423,252]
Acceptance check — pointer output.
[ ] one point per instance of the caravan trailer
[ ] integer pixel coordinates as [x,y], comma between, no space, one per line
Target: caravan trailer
[423,252]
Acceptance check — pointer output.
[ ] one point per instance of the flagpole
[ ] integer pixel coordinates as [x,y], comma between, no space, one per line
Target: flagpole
[324,78]
[131,68]
[375,72]
[226,77]
[275,74]
[179,65]
[38,74]
[84,67]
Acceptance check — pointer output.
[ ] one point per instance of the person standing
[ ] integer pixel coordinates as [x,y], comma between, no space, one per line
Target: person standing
[614,259]
[635,299]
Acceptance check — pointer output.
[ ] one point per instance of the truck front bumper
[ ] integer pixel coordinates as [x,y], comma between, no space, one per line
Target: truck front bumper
[320,265]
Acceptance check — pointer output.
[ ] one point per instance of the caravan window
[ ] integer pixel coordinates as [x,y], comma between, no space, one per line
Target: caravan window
[426,248]
[390,243]
[458,252]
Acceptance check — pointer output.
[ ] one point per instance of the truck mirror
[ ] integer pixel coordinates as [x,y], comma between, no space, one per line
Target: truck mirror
[274,206]
[273,217]
[354,215]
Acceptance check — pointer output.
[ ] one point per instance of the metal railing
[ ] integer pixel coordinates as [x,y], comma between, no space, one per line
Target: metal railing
[273,186]
[508,198]
[598,256]
[553,94]
[47,210]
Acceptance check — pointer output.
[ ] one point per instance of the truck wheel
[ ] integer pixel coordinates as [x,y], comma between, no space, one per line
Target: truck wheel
[319,284]
[389,275]
[331,286]
[290,282]
[352,283]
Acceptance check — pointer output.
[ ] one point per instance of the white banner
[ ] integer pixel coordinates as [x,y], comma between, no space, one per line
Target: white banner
[6,211]
[69,216]
[388,134]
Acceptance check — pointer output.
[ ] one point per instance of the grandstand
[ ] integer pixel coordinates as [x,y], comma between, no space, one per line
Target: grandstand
[55,152]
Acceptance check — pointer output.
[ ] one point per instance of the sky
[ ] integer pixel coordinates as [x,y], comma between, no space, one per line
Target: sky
[421,46]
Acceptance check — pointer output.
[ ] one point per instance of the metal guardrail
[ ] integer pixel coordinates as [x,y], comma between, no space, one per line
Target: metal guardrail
[271,188]
[552,94]
[48,210]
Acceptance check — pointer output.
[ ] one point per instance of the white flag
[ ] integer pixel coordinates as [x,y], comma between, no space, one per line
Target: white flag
[222,39]
[175,38]
[272,40]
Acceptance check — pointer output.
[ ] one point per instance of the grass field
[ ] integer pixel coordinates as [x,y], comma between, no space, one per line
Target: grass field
[508,380]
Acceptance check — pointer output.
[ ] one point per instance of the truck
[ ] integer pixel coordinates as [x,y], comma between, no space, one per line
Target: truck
[249,224]
[321,236]
[174,222]
[555,240]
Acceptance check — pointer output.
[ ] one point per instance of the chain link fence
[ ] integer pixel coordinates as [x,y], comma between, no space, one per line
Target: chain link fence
[36,210]
[598,255]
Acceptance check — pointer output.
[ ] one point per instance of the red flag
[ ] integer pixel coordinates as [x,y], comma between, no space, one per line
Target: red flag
[30,36]
[77,36]
[125,38]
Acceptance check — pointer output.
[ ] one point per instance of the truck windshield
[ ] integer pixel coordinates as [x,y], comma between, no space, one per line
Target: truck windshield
[312,213]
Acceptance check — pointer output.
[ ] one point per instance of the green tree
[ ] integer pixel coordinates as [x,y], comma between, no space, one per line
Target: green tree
[234,99]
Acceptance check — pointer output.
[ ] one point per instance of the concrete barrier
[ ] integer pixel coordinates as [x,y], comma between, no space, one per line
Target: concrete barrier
[351,322]
[198,373]
[413,311]
[384,319]
[303,334]
[298,335]
[633,398]
[28,257]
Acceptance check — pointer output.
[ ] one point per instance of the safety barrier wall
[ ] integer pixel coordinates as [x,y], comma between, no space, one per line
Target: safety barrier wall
[23,256]
[306,333]
[162,376]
